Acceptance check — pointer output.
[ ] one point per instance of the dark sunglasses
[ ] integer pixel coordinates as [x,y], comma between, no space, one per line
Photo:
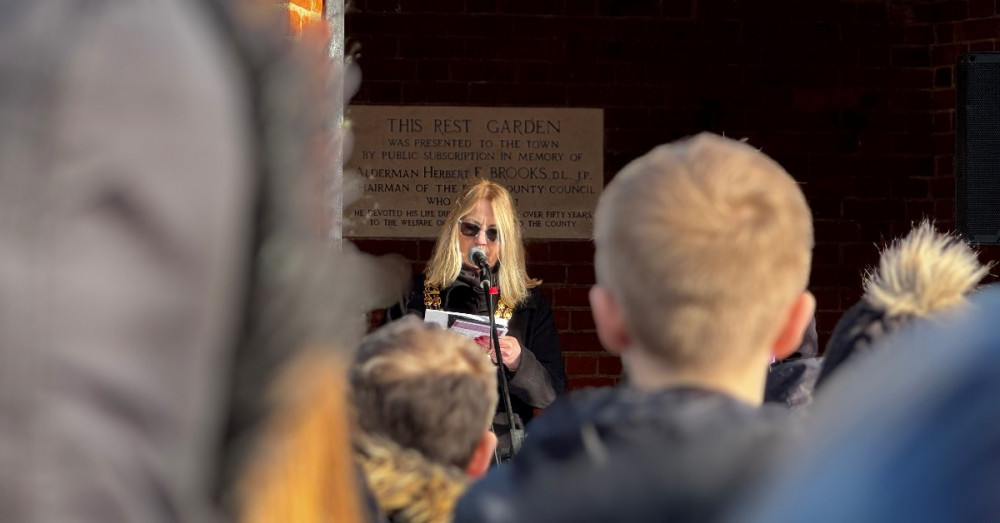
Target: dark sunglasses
[472,230]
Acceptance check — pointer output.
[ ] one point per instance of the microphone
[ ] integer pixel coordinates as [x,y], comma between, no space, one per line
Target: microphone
[477,255]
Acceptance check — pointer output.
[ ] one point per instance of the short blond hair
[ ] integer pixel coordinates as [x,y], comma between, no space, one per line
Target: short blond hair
[704,242]
[425,388]
[446,259]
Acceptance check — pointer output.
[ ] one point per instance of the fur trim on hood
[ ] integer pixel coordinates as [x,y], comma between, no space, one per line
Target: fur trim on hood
[924,272]
[406,485]
[920,275]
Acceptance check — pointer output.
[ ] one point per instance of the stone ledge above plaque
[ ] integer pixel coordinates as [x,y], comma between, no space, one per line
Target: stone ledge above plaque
[415,161]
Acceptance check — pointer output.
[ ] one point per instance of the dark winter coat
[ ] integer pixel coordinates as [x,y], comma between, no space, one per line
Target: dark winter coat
[922,275]
[541,376]
[791,381]
[626,455]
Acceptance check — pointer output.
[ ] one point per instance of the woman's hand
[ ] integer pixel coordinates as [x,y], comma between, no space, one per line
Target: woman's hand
[509,347]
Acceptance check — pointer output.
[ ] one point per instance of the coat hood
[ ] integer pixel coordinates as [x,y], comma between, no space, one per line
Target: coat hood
[923,274]
[407,486]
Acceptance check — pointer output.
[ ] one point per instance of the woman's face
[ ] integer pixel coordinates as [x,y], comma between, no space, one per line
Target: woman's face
[481,216]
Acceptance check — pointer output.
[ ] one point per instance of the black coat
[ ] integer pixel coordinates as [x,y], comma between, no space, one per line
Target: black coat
[791,383]
[541,376]
[620,454]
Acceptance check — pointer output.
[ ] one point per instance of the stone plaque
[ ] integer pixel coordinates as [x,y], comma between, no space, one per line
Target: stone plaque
[414,162]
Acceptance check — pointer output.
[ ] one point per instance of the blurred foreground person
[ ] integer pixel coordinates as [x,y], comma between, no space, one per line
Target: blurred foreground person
[424,398]
[923,446]
[920,275]
[156,267]
[702,257]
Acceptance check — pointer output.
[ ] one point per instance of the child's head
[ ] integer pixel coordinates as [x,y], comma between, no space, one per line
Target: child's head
[427,389]
[705,245]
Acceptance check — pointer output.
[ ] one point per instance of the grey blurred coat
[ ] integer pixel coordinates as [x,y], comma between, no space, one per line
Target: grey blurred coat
[156,267]
[124,229]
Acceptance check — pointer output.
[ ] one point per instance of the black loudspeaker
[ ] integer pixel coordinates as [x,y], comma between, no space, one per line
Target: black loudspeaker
[977,148]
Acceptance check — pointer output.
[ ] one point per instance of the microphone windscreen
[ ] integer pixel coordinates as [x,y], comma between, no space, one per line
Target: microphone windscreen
[477,256]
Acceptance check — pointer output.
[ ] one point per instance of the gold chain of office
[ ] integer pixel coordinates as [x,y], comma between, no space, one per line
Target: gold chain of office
[432,300]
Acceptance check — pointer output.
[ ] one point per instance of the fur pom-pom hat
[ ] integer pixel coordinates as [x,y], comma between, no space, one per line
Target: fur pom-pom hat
[922,274]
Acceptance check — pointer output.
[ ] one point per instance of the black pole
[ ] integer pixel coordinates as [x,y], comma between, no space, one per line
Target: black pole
[515,436]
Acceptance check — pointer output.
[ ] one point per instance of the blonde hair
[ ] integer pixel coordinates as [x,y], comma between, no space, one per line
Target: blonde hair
[425,388]
[704,242]
[446,260]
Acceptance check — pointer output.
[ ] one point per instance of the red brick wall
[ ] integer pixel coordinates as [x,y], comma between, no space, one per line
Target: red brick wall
[854,98]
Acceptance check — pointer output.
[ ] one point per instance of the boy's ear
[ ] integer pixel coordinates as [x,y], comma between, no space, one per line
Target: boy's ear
[609,319]
[482,455]
[794,326]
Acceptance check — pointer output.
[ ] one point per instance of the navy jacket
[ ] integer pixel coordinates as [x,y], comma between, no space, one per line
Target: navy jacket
[620,454]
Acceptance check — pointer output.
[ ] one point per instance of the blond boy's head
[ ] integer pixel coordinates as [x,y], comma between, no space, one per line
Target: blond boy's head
[704,243]
[427,389]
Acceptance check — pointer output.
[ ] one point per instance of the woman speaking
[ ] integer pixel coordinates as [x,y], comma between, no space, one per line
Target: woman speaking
[485,218]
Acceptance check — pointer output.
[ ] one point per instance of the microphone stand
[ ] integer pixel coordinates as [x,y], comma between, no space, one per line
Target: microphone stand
[516,435]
